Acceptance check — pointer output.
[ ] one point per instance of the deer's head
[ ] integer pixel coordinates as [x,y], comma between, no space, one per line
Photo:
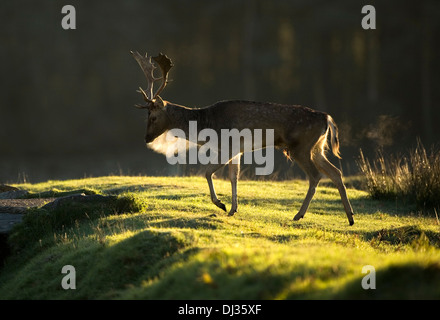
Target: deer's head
[157,118]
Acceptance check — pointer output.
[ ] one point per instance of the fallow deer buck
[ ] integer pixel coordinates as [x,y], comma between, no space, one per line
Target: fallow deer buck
[301,132]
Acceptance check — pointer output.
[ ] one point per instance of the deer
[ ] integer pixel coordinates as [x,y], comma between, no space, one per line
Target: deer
[302,133]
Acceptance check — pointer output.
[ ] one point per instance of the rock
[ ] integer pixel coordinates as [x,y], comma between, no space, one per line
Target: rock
[76,198]
[13,194]
[5,188]
[7,221]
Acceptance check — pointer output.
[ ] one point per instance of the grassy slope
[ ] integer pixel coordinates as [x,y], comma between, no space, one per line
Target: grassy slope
[180,246]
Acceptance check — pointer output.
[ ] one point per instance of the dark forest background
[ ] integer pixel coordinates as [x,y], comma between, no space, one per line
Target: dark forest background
[67,96]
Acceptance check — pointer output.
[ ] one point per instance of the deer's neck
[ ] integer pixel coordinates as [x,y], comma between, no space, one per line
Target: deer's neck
[180,117]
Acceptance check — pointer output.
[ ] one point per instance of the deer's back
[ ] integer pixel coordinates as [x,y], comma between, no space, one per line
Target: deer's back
[262,115]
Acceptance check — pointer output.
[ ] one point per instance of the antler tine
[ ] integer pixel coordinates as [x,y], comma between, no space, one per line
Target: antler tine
[139,106]
[144,94]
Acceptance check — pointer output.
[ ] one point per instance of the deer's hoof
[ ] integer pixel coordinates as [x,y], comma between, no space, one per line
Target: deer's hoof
[350,218]
[297,217]
[231,213]
[221,206]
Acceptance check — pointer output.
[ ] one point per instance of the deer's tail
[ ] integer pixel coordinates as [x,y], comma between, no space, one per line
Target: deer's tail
[334,140]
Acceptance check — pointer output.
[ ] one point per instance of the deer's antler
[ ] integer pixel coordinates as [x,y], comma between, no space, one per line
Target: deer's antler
[148,67]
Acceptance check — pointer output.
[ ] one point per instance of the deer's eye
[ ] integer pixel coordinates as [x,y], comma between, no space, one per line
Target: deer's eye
[153,119]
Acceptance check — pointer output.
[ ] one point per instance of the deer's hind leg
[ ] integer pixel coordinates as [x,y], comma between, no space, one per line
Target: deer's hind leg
[304,160]
[335,175]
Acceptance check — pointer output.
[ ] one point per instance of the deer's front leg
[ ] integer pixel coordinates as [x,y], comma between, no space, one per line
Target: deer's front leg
[209,172]
[234,171]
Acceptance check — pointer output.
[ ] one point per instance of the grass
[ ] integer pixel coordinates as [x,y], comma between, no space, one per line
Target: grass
[168,241]
[412,179]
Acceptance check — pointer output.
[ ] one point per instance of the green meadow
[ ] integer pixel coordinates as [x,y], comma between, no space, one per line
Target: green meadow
[162,238]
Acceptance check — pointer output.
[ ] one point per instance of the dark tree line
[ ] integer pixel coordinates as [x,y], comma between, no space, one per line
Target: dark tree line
[69,93]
